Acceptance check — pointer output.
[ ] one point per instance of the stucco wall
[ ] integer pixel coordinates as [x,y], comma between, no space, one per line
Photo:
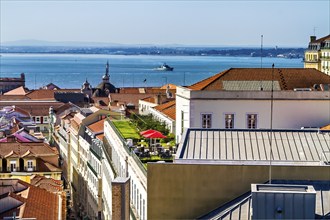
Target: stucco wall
[185,191]
[291,110]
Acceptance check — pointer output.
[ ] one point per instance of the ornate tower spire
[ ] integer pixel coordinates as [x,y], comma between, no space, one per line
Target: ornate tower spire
[106,76]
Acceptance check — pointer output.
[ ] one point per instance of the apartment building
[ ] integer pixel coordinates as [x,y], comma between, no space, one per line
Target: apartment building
[317,55]
[241,98]
[23,159]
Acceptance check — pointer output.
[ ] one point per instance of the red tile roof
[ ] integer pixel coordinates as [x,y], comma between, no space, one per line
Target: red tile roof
[48,184]
[34,108]
[42,94]
[288,78]
[168,109]
[321,39]
[97,126]
[38,149]
[45,94]
[100,136]
[172,86]
[37,202]
[13,97]
[149,99]
[18,91]
[327,127]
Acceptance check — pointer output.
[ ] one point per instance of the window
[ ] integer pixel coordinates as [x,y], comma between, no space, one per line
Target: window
[29,165]
[206,120]
[229,121]
[45,119]
[182,122]
[13,166]
[37,119]
[143,210]
[252,121]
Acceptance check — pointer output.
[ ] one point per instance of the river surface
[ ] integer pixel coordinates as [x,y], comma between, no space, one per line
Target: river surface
[71,70]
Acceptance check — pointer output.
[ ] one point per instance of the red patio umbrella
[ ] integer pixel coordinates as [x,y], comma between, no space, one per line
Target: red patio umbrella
[147,131]
[154,134]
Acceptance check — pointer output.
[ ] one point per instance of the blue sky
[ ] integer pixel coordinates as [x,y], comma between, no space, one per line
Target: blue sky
[232,23]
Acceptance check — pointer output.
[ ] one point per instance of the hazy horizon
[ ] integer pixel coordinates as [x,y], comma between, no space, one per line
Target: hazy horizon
[192,23]
[42,43]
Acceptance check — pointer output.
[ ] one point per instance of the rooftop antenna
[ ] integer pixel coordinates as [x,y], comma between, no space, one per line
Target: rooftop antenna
[271,127]
[314,31]
[35,81]
[262,36]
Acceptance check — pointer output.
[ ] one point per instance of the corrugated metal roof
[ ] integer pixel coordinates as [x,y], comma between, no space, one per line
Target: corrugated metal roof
[253,85]
[253,145]
[240,208]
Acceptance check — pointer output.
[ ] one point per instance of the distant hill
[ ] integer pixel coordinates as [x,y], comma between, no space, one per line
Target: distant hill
[41,43]
[158,50]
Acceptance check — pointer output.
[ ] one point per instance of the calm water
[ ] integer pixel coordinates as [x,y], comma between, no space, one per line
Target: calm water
[70,71]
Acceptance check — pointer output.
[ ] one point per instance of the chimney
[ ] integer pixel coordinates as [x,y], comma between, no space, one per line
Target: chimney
[11,138]
[277,201]
[313,38]
[158,99]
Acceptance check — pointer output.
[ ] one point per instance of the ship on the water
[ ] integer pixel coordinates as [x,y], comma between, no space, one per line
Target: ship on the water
[164,67]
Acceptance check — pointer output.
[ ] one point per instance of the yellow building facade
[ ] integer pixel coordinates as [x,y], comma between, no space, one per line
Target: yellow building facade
[318,54]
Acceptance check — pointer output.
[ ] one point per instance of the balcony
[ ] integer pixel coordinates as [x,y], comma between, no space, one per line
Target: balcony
[325,58]
[30,169]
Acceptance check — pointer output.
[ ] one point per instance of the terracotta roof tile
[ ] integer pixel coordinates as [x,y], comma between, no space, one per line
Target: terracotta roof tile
[18,91]
[42,94]
[97,126]
[37,202]
[168,109]
[170,112]
[149,99]
[165,105]
[21,148]
[327,127]
[34,108]
[321,39]
[172,86]
[40,198]
[45,94]
[100,136]
[49,184]
[288,78]
[145,90]
[127,98]
[13,97]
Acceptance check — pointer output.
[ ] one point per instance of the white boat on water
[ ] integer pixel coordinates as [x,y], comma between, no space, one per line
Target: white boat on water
[164,67]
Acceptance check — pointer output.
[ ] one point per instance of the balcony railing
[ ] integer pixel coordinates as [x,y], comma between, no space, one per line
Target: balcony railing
[325,58]
[17,169]
[132,154]
[30,169]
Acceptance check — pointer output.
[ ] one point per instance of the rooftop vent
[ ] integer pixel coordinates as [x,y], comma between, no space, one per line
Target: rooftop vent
[275,201]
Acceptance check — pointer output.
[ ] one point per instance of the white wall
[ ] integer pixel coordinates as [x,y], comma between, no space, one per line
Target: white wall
[138,192]
[170,123]
[144,107]
[290,110]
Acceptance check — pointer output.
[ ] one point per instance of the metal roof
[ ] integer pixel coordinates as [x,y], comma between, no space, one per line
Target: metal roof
[253,146]
[240,208]
[251,85]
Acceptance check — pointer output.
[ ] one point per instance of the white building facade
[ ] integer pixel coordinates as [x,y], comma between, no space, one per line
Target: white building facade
[127,164]
[250,109]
